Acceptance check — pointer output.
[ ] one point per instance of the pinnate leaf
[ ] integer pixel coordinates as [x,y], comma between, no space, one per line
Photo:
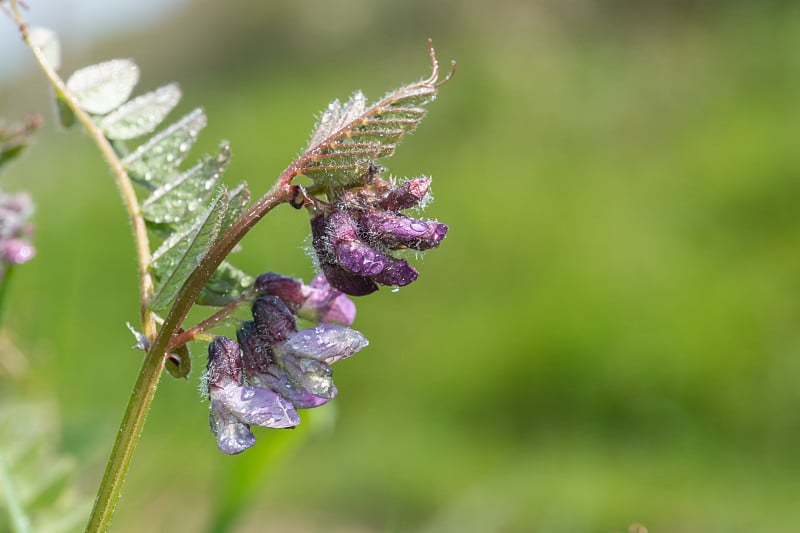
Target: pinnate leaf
[351,136]
[142,114]
[103,87]
[180,254]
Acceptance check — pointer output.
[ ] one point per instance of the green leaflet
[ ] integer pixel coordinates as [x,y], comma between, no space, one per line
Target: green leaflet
[228,282]
[155,162]
[226,285]
[101,88]
[176,201]
[239,200]
[46,41]
[142,114]
[65,115]
[180,254]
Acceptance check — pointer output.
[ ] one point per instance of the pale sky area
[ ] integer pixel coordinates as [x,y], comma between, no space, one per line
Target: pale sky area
[77,22]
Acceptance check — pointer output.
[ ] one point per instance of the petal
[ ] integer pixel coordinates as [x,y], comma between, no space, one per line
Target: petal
[233,436]
[399,273]
[324,342]
[256,352]
[258,407]
[289,290]
[224,363]
[273,319]
[398,231]
[326,304]
[299,397]
[353,254]
[407,195]
[308,375]
[339,278]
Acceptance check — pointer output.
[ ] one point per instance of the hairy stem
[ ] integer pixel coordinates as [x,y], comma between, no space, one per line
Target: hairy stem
[153,364]
[5,278]
[214,320]
[121,177]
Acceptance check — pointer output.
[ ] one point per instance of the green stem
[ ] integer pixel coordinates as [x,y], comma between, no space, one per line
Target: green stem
[153,364]
[144,390]
[5,277]
[19,521]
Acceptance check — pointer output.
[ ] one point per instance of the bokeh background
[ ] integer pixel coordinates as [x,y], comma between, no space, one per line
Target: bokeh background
[610,334]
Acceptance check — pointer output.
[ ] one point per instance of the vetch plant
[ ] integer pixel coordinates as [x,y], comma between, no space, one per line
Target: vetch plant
[186,222]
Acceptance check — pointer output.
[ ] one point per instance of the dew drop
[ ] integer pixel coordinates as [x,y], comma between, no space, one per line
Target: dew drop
[394,290]
[248,393]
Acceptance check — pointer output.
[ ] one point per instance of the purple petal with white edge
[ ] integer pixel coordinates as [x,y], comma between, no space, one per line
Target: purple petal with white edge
[398,231]
[273,319]
[324,342]
[224,367]
[233,436]
[339,278]
[258,407]
[277,381]
[309,375]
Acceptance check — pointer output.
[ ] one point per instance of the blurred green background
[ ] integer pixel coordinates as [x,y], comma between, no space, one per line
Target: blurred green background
[608,336]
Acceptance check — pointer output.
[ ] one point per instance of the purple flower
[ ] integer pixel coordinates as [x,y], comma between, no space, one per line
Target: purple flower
[317,302]
[353,239]
[350,264]
[235,407]
[296,365]
[15,228]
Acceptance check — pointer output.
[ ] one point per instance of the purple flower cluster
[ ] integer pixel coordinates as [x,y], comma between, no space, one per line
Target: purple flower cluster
[273,368]
[15,229]
[354,241]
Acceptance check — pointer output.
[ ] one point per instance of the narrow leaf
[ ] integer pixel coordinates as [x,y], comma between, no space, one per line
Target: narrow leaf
[174,264]
[226,285]
[177,200]
[142,114]
[154,162]
[103,87]
[46,41]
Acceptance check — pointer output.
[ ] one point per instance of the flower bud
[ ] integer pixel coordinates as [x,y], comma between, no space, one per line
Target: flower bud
[338,277]
[317,302]
[224,363]
[407,195]
[273,319]
[398,231]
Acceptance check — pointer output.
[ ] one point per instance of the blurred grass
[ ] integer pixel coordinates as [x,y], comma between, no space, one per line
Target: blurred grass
[608,335]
